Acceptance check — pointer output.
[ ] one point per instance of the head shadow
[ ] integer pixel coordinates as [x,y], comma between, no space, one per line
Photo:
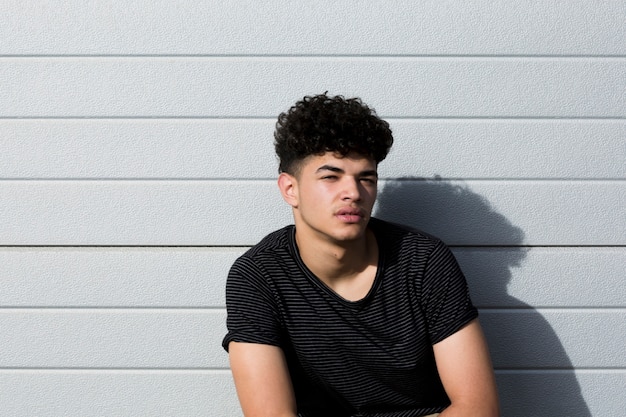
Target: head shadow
[489,247]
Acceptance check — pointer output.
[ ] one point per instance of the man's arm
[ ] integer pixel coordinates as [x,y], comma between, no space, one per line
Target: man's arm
[262,380]
[467,374]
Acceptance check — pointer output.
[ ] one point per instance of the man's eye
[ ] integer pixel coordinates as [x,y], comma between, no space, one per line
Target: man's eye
[369,180]
[329,177]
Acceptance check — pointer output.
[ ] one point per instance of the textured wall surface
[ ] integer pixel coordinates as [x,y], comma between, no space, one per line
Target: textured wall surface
[136,164]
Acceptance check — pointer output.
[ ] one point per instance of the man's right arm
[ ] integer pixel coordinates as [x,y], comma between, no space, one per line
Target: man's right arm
[262,380]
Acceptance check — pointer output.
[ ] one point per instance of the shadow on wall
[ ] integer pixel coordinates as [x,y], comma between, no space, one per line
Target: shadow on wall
[534,373]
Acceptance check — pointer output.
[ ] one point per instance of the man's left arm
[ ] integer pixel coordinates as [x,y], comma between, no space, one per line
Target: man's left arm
[466,373]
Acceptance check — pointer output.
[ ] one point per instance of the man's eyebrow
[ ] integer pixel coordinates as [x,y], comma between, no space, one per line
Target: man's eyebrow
[329,168]
[332,168]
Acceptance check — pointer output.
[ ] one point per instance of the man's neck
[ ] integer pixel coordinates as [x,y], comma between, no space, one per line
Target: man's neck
[347,267]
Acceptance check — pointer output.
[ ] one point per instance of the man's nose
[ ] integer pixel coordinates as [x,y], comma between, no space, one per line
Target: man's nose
[351,189]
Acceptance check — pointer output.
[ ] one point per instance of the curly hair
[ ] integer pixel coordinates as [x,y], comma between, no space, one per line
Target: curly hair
[319,124]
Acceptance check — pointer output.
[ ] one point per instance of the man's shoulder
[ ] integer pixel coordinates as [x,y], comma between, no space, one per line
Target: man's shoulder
[267,258]
[272,244]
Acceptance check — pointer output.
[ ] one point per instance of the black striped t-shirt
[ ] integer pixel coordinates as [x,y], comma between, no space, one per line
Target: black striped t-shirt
[370,358]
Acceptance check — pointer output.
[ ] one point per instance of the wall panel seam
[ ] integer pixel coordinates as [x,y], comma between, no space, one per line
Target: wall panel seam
[8,370]
[324,56]
[272,118]
[244,247]
[175,309]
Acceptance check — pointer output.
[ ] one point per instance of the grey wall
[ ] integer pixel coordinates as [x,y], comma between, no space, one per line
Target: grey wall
[136,163]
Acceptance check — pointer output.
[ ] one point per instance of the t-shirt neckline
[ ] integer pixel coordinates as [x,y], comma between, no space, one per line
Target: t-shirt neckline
[314,280]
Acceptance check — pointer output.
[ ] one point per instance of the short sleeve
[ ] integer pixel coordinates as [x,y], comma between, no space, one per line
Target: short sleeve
[252,313]
[446,297]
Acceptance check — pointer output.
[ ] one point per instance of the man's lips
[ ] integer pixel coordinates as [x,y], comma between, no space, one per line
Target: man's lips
[350,214]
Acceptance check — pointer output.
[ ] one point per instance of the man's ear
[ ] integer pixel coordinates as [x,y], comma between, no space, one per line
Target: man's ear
[288,186]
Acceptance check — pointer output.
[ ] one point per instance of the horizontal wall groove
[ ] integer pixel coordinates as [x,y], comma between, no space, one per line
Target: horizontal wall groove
[221,309]
[210,370]
[321,56]
[272,118]
[497,247]
[133,370]
[137,179]
[551,309]
[125,246]
[582,370]
[389,118]
[537,246]
[115,309]
[156,118]
[382,180]
[501,179]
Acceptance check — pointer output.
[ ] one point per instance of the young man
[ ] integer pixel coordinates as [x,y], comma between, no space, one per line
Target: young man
[342,314]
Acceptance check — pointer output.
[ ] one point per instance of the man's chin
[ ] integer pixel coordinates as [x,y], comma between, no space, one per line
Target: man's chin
[354,233]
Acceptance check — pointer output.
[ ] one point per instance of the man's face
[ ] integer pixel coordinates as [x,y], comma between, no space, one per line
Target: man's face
[333,196]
